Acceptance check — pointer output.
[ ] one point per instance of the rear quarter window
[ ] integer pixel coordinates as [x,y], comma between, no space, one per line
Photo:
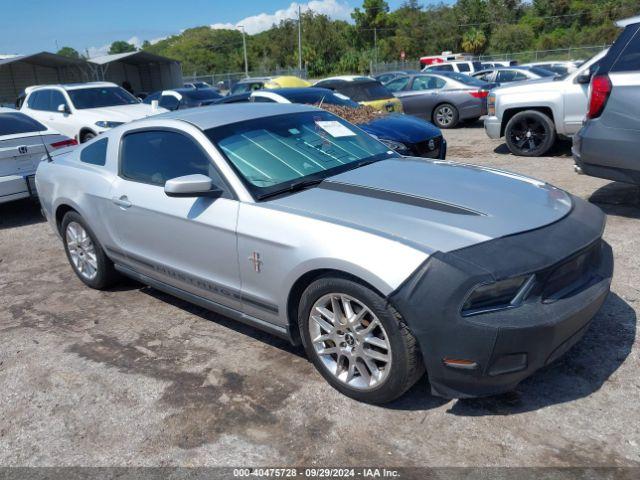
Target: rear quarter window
[95,153]
[14,123]
[629,59]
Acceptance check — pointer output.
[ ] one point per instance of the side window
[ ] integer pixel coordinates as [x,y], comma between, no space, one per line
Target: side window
[517,76]
[484,76]
[629,59]
[56,99]
[95,153]
[505,76]
[444,68]
[169,102]
[427,83]
[39,100]
[397,84]
[157,156]
[463,67]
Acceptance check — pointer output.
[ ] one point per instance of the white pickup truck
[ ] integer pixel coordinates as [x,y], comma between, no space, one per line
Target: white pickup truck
[532,114]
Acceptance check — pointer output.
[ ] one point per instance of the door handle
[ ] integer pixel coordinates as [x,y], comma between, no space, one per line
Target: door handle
[123,201]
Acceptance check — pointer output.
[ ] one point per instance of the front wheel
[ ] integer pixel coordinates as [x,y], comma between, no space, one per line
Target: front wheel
[530,134]
[357,341]
[446,116]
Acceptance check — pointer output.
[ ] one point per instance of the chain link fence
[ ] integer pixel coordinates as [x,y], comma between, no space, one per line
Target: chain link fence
[558,54]
[224,81]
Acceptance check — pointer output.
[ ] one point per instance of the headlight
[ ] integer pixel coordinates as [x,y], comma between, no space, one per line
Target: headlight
[498,295]
[491,105]
[393,145]
[107,124]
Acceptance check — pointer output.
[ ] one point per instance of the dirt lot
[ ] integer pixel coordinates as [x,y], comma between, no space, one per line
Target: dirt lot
[134,377]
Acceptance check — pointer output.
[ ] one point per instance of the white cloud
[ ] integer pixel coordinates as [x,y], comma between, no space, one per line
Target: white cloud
[104,49]
[264,21]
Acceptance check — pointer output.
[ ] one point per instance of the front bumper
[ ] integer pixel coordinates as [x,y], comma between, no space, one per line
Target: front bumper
[506,346]
[493,126]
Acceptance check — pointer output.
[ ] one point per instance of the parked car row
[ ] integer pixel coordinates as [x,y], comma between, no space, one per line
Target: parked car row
[333,235]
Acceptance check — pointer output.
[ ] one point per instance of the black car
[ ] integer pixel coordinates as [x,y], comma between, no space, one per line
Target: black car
[404,134]
[180,98]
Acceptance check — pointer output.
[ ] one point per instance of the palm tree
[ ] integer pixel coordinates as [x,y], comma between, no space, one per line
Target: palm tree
[474,41]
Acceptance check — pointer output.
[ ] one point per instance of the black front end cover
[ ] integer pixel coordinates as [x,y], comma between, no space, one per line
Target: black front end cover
[509,344]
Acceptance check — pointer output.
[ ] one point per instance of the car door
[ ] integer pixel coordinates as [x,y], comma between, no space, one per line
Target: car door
[60,121]
[37,105]
[575,97]
[188,243]
[422,95]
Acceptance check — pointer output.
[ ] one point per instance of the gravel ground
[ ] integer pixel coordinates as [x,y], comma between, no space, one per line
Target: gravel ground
[134,377]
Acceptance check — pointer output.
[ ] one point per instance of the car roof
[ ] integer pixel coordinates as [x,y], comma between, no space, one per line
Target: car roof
[347,78]
[254,79]
[226,114]
[71,86]
[628,21]
[295,90]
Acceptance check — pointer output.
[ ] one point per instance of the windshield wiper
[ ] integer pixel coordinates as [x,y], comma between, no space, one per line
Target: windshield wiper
[293,187]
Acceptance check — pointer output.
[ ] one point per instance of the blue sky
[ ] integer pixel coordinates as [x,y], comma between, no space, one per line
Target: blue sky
[94,25]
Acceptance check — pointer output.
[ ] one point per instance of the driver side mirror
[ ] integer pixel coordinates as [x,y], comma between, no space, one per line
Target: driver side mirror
[584,78]
[197,185]
[64,108]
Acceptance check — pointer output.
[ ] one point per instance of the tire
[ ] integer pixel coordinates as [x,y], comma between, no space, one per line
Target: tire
[530,134]
[86,136]
[445,115]
[374,380]
[86,256]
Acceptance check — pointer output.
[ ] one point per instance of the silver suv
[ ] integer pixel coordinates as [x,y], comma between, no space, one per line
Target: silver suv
[607,146]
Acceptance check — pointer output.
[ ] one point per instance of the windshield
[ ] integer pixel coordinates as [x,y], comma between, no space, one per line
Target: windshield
[462,78]
[12,123]
[101,97]
[195,97]
[243,87]
[276,153]
[364,91]
[322,96]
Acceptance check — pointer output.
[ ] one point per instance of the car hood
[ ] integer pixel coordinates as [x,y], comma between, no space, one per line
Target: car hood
[431,205]
[527,86]
[401,128]
[122,113]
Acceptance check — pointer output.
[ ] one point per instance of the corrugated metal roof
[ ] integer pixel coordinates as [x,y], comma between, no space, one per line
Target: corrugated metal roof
[44,58]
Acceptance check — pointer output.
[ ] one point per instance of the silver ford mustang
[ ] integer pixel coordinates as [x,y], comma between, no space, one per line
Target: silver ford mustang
[292,220]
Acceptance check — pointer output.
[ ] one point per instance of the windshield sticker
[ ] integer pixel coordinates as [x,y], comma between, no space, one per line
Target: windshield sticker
[335,128]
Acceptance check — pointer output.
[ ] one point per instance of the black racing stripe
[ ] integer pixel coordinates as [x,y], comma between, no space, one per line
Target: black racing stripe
[198,282]
[397,197]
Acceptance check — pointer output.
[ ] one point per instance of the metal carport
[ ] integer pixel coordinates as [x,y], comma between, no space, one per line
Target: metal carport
[146,72]
[17,73]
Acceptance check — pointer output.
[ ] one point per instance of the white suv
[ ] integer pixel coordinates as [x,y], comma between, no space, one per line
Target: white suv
[84,110]
[461,66]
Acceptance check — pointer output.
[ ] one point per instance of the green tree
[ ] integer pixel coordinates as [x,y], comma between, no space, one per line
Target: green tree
[511,38]
[120,46]
[474,41]
[69,52]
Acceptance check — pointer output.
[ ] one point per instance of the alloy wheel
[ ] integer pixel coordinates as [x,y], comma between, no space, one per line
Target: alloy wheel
[444,116]
[528,134]
[350,341]
[81,250]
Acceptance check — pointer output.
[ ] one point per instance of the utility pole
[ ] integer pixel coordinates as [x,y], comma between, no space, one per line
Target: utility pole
[375,47]
[244,47]
[299,40]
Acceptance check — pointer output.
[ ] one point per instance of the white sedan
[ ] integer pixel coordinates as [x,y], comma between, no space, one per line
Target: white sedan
[23,143]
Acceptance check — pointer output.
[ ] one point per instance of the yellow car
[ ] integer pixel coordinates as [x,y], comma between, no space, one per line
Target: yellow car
[258,83]
[364,90]
[286,81]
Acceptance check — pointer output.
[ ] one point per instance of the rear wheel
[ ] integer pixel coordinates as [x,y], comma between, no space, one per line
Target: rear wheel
[86,136]
[446,116]
[85,254]
[530,134]
[357,341]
